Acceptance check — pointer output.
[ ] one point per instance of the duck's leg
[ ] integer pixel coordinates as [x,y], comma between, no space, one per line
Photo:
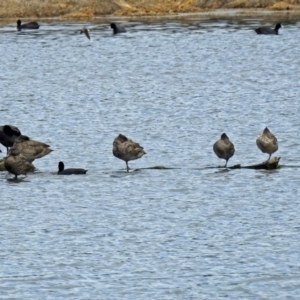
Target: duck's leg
[127,167]
[226,163]
[268,158]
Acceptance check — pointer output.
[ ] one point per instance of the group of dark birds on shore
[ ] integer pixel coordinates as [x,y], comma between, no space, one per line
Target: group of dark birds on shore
[22,151]
[120,29]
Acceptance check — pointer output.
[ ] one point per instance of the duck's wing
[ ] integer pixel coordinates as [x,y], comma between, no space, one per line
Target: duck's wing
[230,149]
[26,165]
[33,143]
[133,148]
[271,137]
[86,32]
[24,141]
[32,150]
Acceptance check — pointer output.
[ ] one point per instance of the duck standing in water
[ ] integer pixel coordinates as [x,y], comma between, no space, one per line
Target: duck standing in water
[126,149]
[267,142]
[70,171]
[30,25]
[31,149]
[8,135]
[224,148]
[16,164]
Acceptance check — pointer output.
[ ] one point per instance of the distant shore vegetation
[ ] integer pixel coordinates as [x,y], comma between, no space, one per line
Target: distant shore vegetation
[73,9]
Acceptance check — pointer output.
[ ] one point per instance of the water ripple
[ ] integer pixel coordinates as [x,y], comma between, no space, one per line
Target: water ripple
[186,231]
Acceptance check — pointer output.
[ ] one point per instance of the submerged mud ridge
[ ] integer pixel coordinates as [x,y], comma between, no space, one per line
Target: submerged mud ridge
[93,8]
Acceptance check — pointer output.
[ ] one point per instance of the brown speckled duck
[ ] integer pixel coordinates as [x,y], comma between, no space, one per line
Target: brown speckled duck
[31,149]
[267,142]
[126,149]
[17,164]
[224,148]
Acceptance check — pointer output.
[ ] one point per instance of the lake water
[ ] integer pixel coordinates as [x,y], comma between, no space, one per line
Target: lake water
[190,231]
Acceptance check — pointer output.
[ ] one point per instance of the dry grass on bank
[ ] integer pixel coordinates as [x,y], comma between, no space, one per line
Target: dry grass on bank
[156,7]
[56,8]
[91,8]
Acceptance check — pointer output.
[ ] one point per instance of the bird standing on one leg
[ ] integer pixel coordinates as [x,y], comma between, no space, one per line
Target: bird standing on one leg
[126,149]
[267,142]
[224,148]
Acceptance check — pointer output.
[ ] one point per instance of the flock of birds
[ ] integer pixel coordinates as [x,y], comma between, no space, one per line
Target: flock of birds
[22,151]
[266,142]
[120,29]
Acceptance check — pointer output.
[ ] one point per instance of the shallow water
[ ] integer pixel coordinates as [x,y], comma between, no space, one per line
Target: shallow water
[193,231]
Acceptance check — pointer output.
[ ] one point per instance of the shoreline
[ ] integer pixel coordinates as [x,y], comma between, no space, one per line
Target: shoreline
[91,9]
[209,13]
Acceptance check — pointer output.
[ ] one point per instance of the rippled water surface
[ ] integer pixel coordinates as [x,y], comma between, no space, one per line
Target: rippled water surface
[192,231]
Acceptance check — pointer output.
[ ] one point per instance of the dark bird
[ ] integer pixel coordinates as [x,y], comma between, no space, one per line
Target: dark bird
[31,25]
[8,135]
[70,171]
[117,28]
[16,164]
[268,30]
[86,32]
[267,142]
[31,149]
[126,149]
[224,148]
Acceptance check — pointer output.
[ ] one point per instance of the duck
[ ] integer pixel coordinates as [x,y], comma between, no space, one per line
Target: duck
[117,28]
[86,32]
[30,25]
[16,164]
[267,142]
[126,149]
[31,149]
[268,30]
[224,148]
[8,135]
[70,171]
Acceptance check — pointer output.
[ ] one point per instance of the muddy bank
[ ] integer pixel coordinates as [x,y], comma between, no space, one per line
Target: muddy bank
[72,9]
